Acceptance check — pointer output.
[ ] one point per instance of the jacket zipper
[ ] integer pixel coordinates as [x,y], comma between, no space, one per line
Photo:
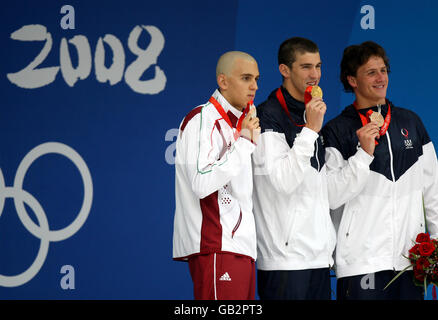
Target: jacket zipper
[316,154]
[391,159]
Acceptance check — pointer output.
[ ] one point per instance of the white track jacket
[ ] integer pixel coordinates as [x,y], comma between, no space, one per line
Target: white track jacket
[294,227]
[380,197]
[213,185]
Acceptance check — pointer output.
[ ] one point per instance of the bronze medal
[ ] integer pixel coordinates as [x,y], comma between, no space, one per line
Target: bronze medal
[377,117]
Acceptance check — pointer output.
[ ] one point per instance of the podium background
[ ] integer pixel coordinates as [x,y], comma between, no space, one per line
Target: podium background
[126,139]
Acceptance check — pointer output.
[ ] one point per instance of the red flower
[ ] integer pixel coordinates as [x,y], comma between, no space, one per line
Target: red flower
[422,263]
[413,250]
[422,237]
[426,249]
[419,275]
[435,274]
[423,257]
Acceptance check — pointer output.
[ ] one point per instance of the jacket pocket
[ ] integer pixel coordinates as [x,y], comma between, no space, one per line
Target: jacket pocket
[239,220]
[346,242]
[349,224]
[347,228]
[289,232]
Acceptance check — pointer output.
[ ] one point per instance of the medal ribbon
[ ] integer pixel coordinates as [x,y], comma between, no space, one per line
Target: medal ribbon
[280,98]
[366,119]
[224,115]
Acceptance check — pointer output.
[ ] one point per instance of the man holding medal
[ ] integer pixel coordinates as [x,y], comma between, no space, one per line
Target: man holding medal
[214,227]
[295,234]
[381,165]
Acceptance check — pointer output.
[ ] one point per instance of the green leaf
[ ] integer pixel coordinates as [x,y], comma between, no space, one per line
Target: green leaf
[398,275]
[425,287]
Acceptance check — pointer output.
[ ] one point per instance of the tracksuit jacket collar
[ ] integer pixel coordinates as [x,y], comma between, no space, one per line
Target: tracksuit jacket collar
[294,106]
[351,110]
[232,112]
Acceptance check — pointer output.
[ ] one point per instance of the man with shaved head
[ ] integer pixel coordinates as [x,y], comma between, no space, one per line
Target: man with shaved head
[214,229]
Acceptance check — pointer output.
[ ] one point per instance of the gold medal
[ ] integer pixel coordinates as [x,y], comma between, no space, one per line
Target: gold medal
[312,92]
[316,92]
[377,117]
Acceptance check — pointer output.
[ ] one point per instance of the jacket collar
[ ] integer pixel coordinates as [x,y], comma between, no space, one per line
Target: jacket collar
[226,105]
[293,104]
[384,108]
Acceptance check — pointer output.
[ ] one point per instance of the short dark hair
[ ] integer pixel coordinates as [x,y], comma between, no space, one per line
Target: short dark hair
[289,48]
[356,56]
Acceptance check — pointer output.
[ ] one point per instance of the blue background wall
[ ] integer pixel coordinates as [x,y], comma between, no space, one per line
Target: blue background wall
[126,139]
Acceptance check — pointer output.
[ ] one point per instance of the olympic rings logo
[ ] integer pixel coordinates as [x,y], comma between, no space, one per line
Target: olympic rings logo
[42,230]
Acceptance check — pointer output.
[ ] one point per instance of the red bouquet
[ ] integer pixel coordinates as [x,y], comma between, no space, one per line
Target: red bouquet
[423,257]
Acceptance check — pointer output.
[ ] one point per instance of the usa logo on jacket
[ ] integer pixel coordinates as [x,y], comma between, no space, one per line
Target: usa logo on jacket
[408,142]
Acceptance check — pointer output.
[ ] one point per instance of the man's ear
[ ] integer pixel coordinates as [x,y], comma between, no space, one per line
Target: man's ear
[284,70]
[222,81]
[352,81]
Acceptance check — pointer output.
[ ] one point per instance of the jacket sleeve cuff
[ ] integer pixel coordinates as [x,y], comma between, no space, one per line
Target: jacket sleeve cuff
[248,140]
[363,157]
[309,135]
[246,144]
[305,142]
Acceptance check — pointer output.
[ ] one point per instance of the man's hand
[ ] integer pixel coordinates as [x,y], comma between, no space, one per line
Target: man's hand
[315,111]
[250,126]
[367,136]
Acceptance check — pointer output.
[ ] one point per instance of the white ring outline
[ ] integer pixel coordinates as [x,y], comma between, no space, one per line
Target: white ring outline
[2,197]
[42,231]
[35,153]
[22,278]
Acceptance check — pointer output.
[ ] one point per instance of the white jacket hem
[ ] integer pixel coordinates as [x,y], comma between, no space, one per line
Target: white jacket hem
[295,264]
[373,265]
